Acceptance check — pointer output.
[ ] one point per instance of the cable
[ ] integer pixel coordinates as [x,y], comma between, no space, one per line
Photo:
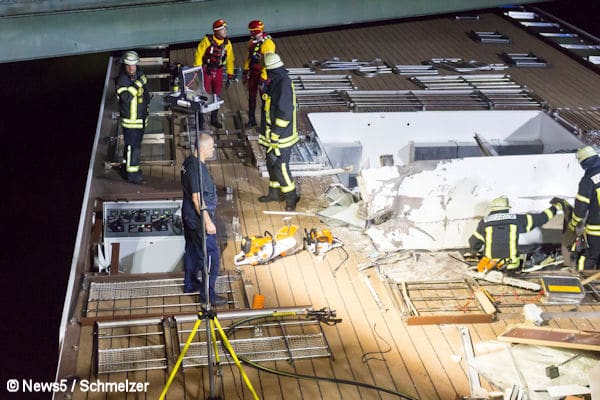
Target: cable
[364,357]
[233,326]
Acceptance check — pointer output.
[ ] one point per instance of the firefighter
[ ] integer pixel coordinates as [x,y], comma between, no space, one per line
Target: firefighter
[213,52]
[587,205]
[255,74]
[200,200]
[278,132]
[134,100]
[497,234]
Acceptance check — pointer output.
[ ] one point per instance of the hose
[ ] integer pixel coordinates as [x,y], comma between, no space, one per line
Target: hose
[233,326]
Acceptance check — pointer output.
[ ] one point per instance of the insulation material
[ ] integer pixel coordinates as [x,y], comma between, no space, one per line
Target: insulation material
[499,368]
[437,204]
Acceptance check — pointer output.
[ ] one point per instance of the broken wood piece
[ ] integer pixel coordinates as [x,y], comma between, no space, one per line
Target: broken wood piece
[485,302]
[592,278]
[441,319]
[409,303]
[564,338]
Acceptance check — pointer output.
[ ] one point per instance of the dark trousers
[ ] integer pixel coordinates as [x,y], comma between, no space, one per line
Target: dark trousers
[591,257]
[132,152]
[280,175]
[253,90]
[193,260]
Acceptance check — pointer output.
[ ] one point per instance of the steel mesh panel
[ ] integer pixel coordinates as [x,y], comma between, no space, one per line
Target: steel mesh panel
[263,349]
[146,288]
[132,359]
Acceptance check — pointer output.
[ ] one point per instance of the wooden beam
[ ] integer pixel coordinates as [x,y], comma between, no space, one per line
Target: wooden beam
[450,319]
[566,338]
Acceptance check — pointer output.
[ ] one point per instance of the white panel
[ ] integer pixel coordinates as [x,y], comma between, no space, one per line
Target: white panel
[438,204]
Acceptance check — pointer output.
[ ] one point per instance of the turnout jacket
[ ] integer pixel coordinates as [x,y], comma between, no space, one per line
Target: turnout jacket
[134,99]
[587,200]
[497,234]
[213,52]
[278,123]
[257,48]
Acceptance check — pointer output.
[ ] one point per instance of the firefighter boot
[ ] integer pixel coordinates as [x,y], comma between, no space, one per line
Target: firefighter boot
[251,121]
[214,119]
[274,195]
[291,199]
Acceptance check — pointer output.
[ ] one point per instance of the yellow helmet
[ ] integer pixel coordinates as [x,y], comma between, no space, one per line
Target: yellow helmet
[585,152]
[499,203]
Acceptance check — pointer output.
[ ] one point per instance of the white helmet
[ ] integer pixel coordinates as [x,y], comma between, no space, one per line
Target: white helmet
[584,153]
[272,61]
[130,58]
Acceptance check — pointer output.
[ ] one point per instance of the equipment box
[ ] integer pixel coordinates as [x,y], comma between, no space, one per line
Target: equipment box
[150,234]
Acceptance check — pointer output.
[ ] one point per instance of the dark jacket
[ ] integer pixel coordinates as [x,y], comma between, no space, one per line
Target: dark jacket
[279,113]
[498,233]
[134,99]
[191,184]
[587,198]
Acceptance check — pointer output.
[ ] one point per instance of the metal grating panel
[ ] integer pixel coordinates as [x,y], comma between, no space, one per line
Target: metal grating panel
[263,349]
[421,100]
[482,81]
[131,359]
[146,288]
[582,121]
[324,83]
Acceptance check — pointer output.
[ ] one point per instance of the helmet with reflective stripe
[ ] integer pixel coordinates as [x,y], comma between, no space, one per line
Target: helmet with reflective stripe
[219,24]
[585,152]
[256,26]
[130,58]
[272,61]
[499,203]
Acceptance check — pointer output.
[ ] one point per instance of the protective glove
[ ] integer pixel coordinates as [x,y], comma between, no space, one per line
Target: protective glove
[262,86]
[245,77]
[230,78]
[559,203]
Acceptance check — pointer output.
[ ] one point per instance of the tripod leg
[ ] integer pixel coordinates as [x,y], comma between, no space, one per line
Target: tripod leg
[214,341]
[235,358]
[180,359]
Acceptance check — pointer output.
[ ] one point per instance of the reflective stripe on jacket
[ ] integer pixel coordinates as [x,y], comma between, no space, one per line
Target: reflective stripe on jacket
[497,234]
[134,99]
[279,112]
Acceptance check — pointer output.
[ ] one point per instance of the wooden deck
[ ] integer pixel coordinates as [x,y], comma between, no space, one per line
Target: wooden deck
[372,344]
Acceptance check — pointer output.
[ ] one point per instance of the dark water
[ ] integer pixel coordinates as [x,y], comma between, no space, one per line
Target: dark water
[47,123]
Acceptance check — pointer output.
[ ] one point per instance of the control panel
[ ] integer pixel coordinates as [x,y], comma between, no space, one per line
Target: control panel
[142,219]
[149,234]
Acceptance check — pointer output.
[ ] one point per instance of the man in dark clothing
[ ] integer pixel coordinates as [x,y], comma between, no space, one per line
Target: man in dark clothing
[200,201]
[587,205]
[278,132]
[134,101]
[497,234]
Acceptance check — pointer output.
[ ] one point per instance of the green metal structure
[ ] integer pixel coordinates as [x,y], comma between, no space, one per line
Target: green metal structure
[47,28]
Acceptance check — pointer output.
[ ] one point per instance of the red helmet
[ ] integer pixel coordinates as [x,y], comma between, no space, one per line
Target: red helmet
[219,24]
[256,26]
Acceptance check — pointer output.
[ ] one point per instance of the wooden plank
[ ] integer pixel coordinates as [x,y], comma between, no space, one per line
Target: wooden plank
[450,319]
[566,338]
[485,302]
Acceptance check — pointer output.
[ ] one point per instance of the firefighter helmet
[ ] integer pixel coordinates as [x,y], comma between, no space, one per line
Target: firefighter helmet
[272,61]
[585,152]
[130,58]
[219,24]
[256,26]
[499,203]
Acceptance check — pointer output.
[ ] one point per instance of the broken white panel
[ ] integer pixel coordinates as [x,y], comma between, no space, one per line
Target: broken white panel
[437,204]
[440,185]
